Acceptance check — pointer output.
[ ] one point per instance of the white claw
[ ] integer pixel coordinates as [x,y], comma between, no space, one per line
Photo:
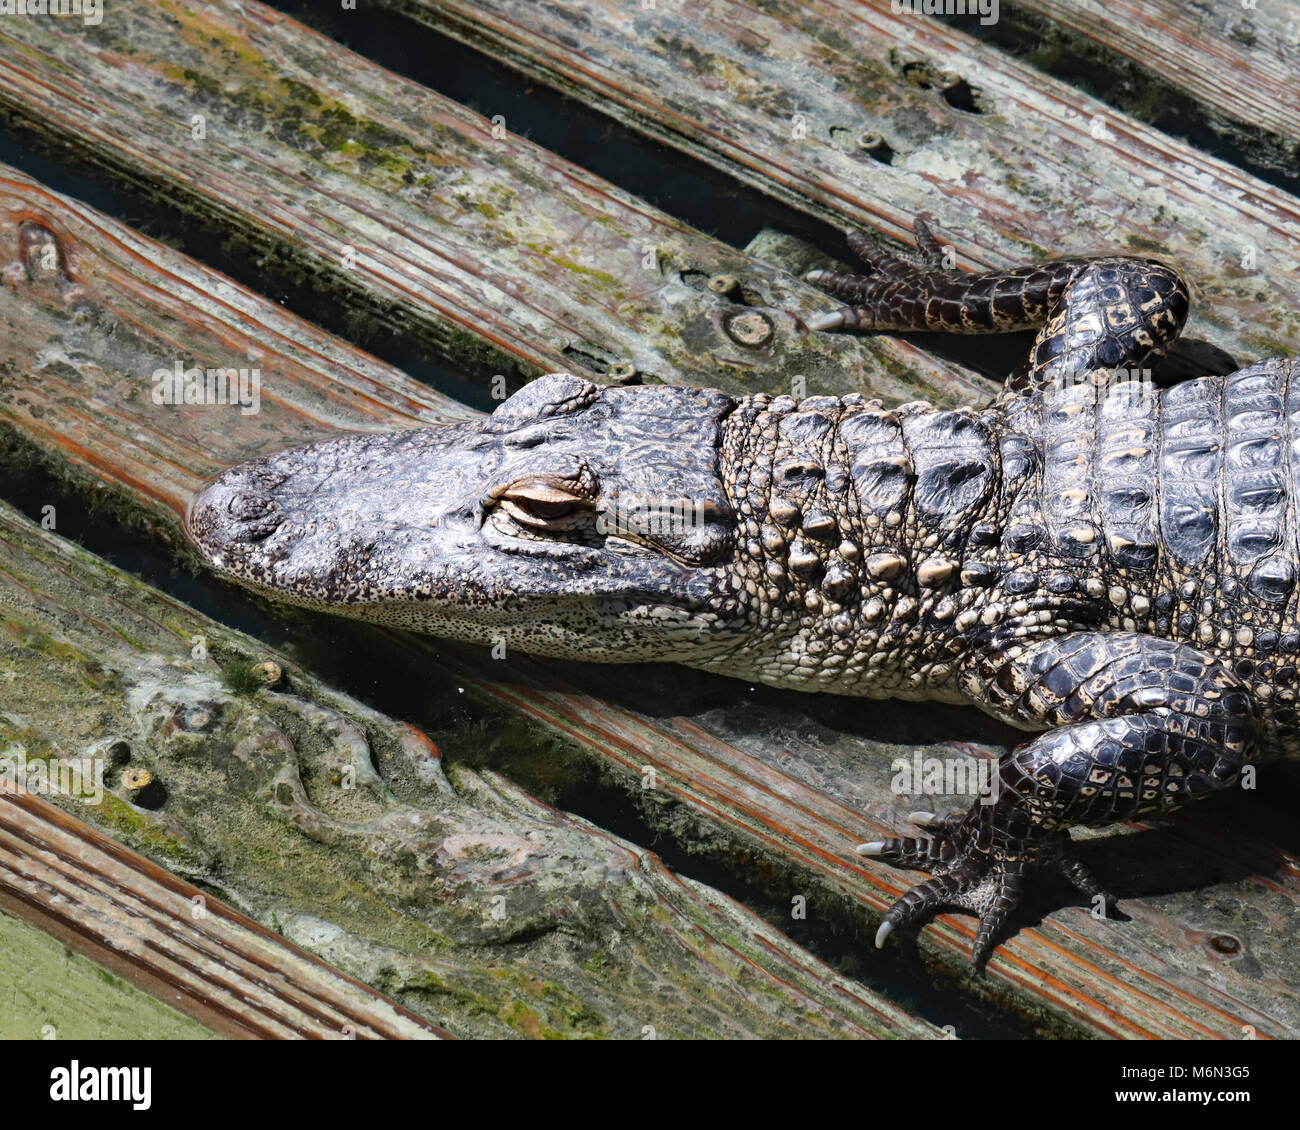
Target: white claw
[922,819]
[886,928]
[831,321]
[874,847]
[816,276]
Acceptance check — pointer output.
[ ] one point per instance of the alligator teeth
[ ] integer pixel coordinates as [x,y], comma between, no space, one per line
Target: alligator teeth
[831,321]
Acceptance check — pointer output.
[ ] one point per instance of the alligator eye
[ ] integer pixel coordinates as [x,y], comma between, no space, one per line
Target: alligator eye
[544,503]
[543,515]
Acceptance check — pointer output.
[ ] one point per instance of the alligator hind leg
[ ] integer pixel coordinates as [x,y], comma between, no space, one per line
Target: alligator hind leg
[1091,314]
[1140,725]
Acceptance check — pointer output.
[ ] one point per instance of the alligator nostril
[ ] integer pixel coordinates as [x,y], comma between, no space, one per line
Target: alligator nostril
[248,506]
[226,512]
[253,518]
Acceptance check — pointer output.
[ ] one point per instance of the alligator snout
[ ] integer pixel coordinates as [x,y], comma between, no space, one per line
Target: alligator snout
[236,507]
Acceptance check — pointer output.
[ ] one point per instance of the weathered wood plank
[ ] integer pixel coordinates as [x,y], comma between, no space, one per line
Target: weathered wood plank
[77,343]
[48,990]
[58,254]
[172,940]
[781,94]
[453,232]
[1171,973]
[1237,62]
[467,901]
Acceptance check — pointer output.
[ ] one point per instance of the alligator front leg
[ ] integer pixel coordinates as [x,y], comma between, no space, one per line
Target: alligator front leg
[1138,725]
[1113,312]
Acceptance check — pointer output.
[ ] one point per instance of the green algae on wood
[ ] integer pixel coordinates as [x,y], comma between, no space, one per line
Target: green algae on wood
[373,189]
[172,940]
[305,809]
[111,300]
[1009,164]
[49,992]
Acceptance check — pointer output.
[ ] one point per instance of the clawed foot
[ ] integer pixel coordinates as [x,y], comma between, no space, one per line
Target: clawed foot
[882,268]
[985,882]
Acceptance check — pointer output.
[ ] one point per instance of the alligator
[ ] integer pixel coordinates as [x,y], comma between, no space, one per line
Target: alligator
[1108,564]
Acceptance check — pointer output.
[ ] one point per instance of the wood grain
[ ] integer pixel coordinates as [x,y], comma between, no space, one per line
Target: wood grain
[337,830]
[437,223]
[1237,63]
[175,941]
[1011,165]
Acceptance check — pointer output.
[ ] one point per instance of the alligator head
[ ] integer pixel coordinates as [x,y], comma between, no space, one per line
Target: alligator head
[575,521]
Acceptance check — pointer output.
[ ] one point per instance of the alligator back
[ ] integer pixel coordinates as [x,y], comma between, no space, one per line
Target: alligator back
[1181,503]
[886,549]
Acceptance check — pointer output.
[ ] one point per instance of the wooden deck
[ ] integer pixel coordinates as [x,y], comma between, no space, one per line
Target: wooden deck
[172,939]
[473,906]
[503,258]
[1232,66]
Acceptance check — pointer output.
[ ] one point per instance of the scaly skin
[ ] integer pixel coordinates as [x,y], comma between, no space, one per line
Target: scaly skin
[1109,564]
